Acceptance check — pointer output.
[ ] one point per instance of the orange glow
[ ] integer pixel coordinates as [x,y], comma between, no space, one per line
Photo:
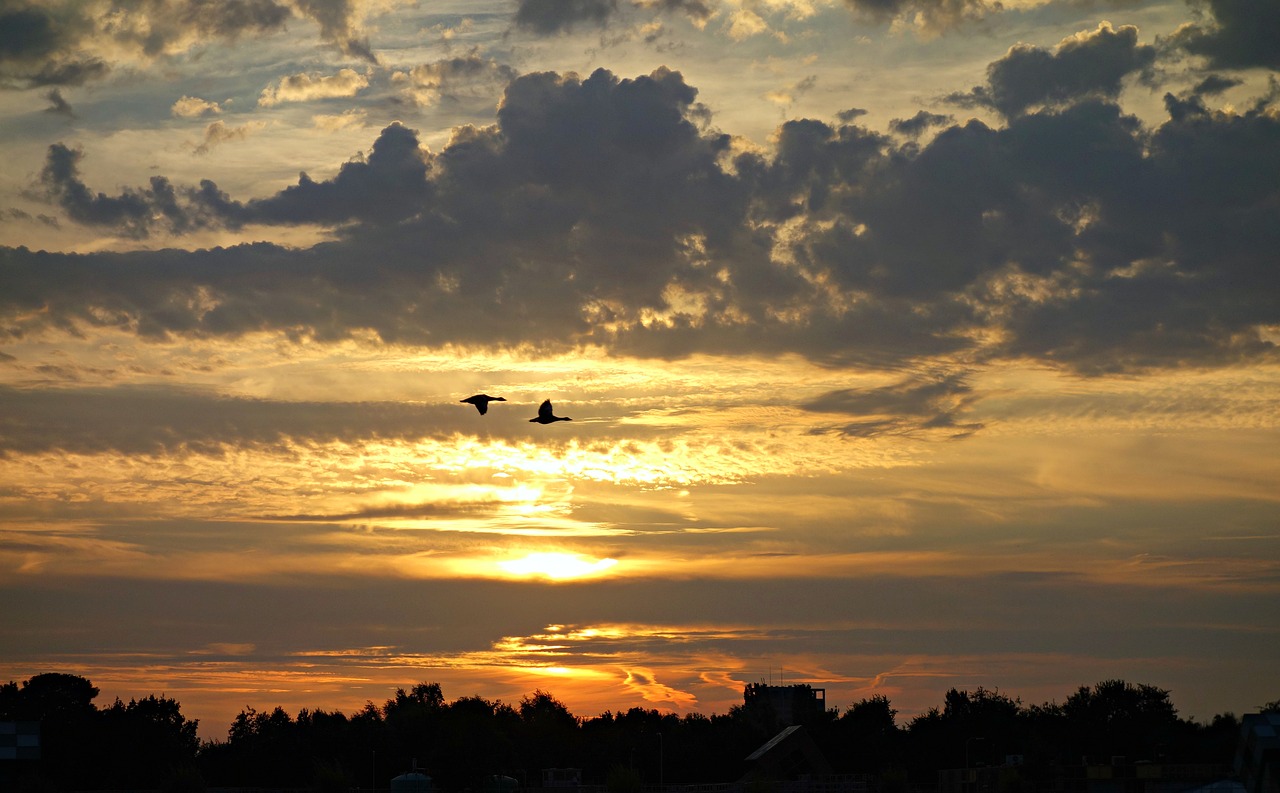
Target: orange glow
[557,566]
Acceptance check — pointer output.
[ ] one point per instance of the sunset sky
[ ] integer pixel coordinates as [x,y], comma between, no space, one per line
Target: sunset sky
[909,345]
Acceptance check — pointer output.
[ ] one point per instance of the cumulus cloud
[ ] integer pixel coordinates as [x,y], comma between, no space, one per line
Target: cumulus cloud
[136,212]
[386,187]
[1242,34]
[219,132]
[40,48]
[928,17]
[463,75]
[920,123]
[546,17]
[68,42]
[309,87]
[1088,64]
[595,210]
[194,107]
[745,23]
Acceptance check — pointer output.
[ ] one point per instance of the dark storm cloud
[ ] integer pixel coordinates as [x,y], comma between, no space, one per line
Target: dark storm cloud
[911,405]
[596,211]
[1241,35]
[1090,64]
[546,17]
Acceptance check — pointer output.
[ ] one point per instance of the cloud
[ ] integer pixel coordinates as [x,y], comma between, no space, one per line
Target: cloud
[388,186]
[68,42]
[450,78]
[194,107]
[339,25]
[54,43]
[1088,64]
[340,121]
[58,105]
[39,48]
[697,11]
[218,133]
[136,212]
[548,17]
[308,87]
[745,23]
[912,405]
[596,211]
[918,124]
[927,16]
[1243,34]
[787,96]
[156,420]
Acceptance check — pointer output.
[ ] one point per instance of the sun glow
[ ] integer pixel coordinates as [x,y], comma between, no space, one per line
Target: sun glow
[557,566]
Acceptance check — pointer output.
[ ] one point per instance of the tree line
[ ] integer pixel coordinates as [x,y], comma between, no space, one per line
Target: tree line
[149,744]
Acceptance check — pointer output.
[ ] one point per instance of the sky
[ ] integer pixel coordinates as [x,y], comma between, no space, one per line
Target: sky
[908,345]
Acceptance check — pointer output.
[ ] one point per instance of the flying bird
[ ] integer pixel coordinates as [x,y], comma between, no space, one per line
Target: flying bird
[481,401]
[545,416]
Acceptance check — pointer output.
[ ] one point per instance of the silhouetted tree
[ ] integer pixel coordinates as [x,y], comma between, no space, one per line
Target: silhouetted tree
[478,742]
[147,743]
[548,731]
[868,737]
[414,725]
[63,705]
[144,743]
[1115,718]
[972,728]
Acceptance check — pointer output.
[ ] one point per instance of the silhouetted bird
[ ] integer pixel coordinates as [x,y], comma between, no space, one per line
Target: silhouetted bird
[481,401]
[544,414]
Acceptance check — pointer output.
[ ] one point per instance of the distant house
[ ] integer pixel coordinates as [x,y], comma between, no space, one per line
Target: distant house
[794,704]
[788,755]
[1258,753]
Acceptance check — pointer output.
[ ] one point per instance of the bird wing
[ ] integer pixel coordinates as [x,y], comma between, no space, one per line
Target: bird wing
[544,410]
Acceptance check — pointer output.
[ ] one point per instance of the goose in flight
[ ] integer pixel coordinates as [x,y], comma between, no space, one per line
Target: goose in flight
[481,401]
[545,416]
